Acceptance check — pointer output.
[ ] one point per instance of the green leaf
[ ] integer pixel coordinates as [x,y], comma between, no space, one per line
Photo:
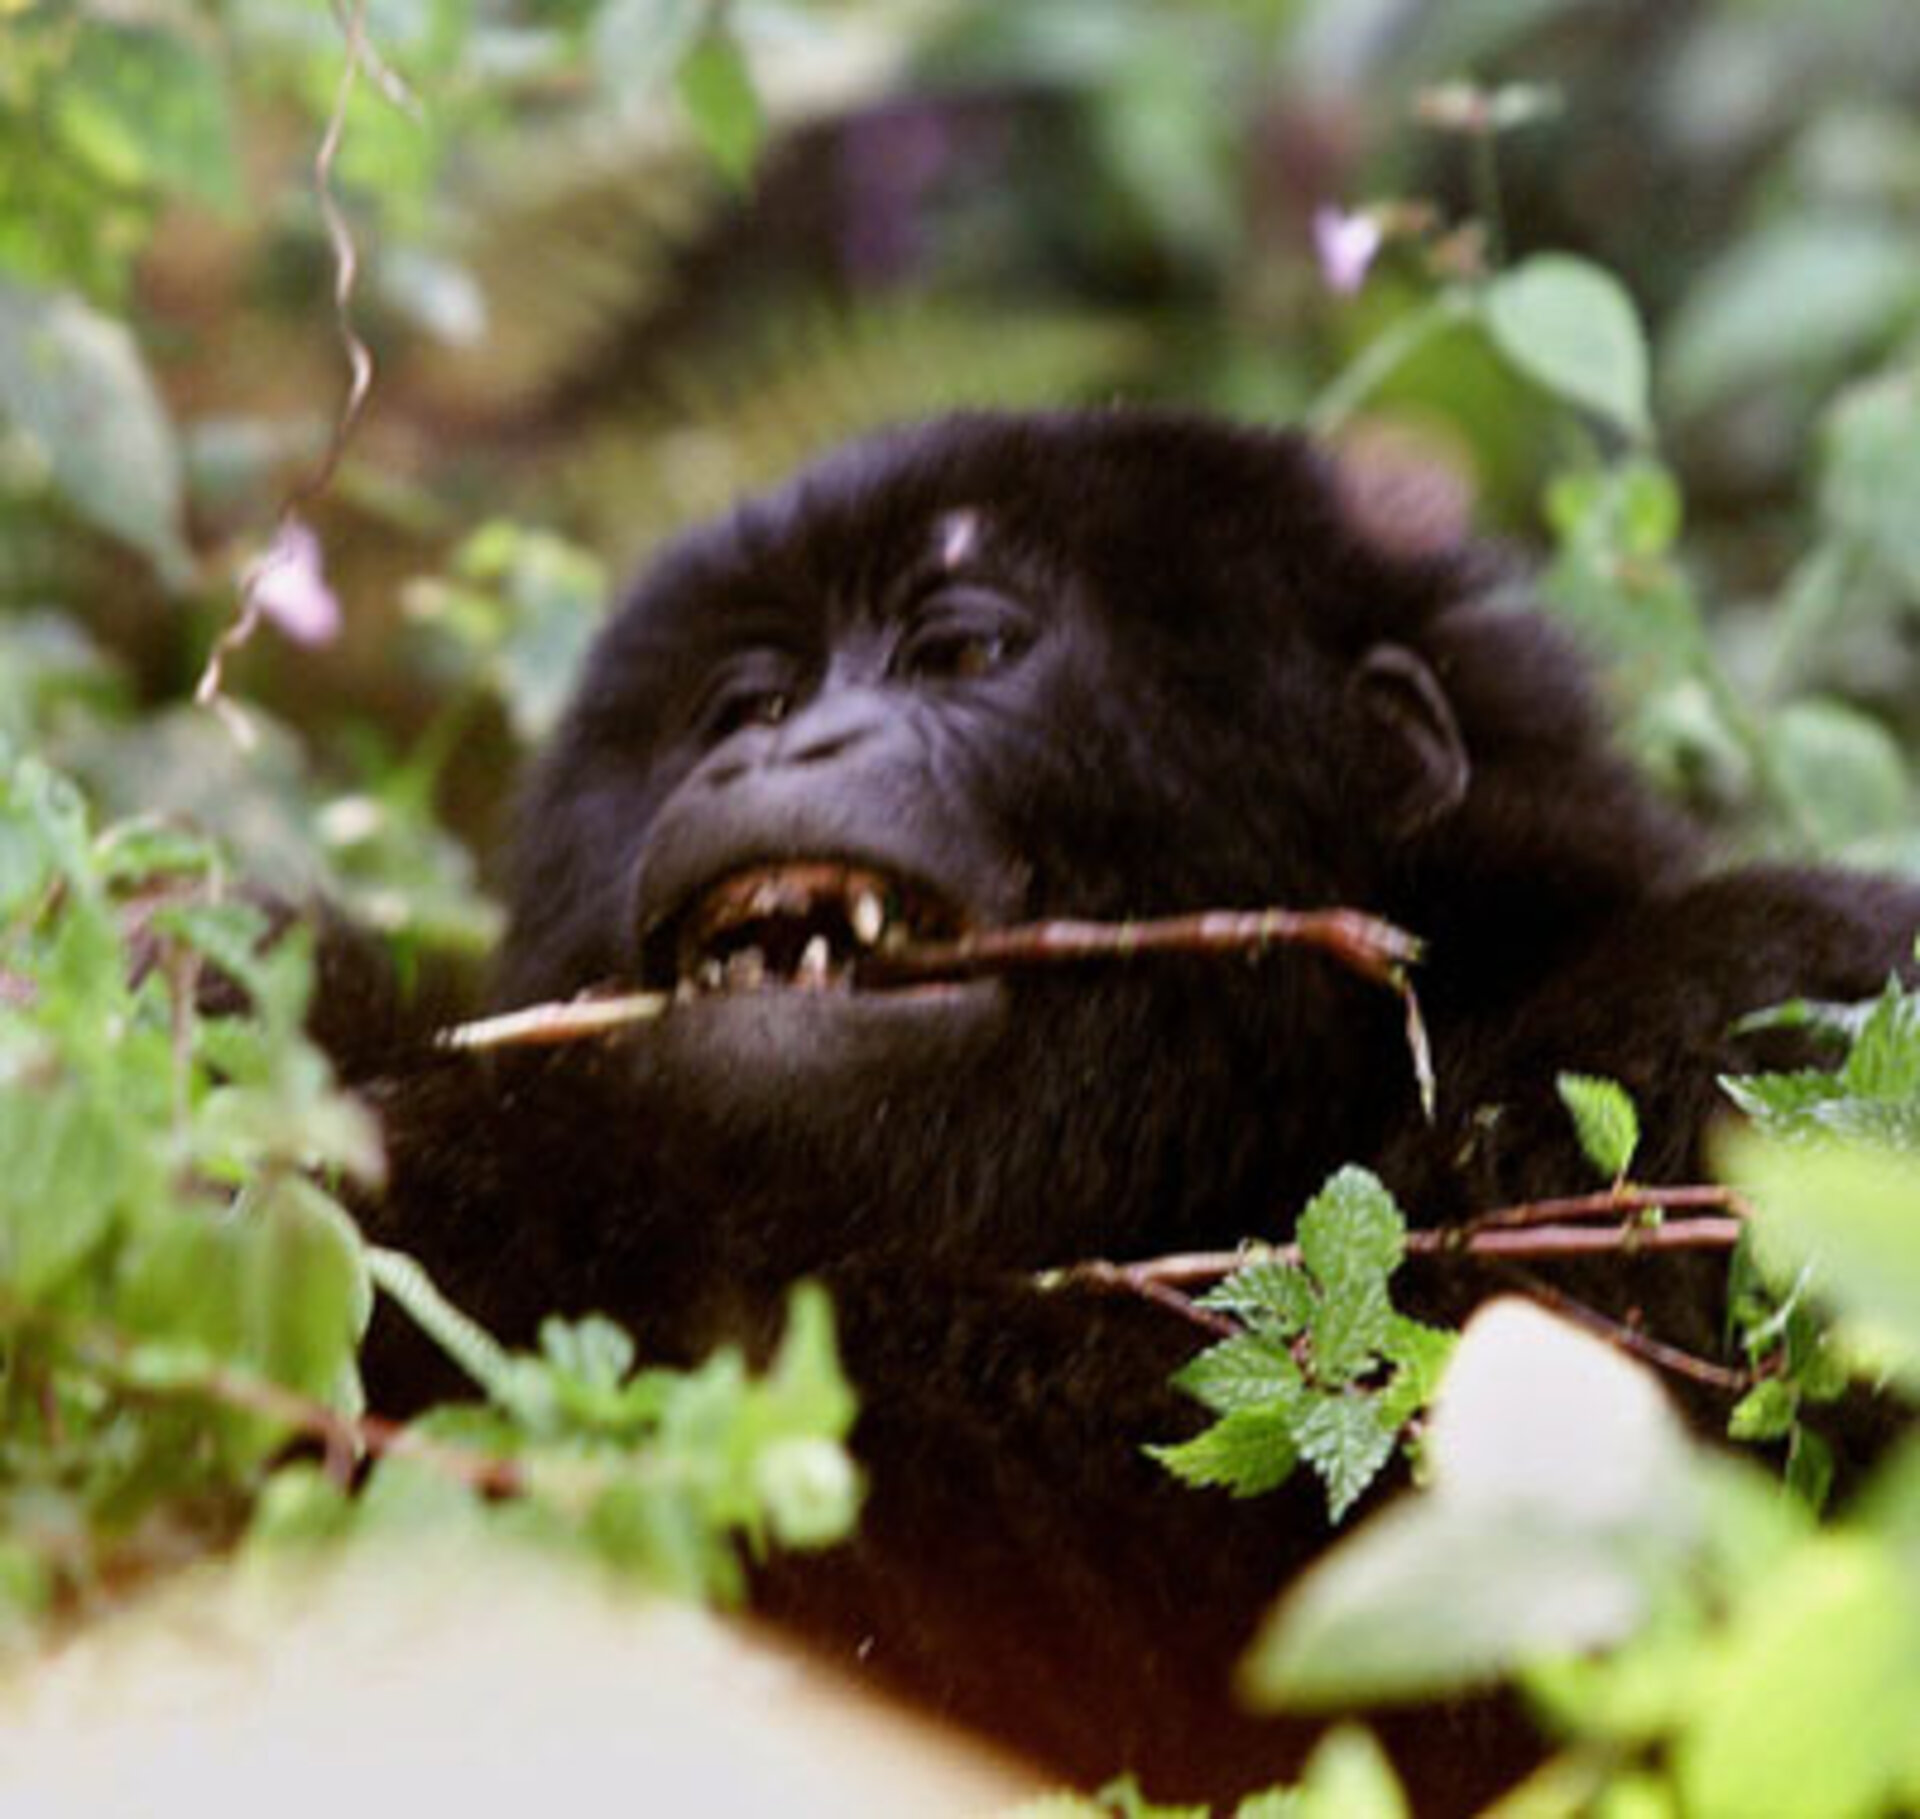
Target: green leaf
[73,383]
[1247,1452]
[811,1490]
[595,1352]
[1352,1231]
[1803,296]
[806,1386]
[1814,1689]
[1765,1412]
[1564,1504]
[1271,1295]
[1855,1212]
[1840,771]
[1348,1776]
[67,1169]
[1571,327]
[145,108]
[1604,1119]
[1347,1441]
[1870,478]
[1247,1371]
[722,105]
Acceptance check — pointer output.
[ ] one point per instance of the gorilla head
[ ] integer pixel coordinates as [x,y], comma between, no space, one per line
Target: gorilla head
[1004,668]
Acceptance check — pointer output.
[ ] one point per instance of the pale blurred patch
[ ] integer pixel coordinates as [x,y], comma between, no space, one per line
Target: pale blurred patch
[474,1682]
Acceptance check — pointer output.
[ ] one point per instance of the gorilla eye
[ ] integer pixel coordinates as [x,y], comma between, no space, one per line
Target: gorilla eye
[741,708]
[962,644]
[754,689]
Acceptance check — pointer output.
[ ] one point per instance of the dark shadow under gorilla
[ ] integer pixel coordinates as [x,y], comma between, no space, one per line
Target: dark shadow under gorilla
[1100,665]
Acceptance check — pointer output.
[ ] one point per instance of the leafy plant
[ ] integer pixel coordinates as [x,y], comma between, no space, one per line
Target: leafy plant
[182,1292]
[1326,1370]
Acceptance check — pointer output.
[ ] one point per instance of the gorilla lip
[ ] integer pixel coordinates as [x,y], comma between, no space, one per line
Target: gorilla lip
[803,924]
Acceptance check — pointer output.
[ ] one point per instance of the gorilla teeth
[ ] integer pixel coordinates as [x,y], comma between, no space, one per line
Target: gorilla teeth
[797,924]
[746,971]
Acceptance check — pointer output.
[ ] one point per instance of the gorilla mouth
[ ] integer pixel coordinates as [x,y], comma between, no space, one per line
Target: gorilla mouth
[805,925]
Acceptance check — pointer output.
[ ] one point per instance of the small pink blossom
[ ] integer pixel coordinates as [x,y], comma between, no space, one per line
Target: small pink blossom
[1345,244]
[289,586]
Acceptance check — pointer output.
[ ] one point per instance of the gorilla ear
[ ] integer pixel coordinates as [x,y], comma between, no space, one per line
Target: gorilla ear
[1415,763]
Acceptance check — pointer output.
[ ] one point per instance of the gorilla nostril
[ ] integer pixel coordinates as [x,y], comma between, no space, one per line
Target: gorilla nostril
[829,743]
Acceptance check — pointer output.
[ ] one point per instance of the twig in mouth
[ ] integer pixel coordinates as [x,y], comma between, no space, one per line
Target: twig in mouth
[1373,948]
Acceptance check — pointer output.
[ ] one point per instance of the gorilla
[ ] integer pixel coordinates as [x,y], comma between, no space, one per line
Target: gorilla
[1005,668]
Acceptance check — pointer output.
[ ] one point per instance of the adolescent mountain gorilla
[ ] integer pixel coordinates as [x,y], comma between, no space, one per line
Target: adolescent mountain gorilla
[1111,665]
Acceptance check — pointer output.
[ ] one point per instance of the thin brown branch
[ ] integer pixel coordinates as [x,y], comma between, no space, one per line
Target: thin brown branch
[1135,1279]
[1375,949]
[1635,1343]
[1614,1203]
[1198,1268]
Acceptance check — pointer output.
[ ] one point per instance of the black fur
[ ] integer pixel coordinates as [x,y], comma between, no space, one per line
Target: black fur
[1199,685]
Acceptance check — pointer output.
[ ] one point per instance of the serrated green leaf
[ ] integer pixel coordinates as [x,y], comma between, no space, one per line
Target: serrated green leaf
[1604,1119]
[1247,1452]
[1884,1062]
[73,382]
[1250,1370]
[1347,1331]
[1346,1440]
[1268,1294]
[1571,327]
[1352,1231]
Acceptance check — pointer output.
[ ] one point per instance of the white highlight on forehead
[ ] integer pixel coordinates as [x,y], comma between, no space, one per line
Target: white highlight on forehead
[959,535]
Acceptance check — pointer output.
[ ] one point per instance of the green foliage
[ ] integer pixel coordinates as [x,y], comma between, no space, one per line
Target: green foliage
[1605,1120]
[1719,437]
[182,1293]
[1326,1370]
[1559,1512]
[1347,1777]
[1571,327]
[519,608]
[1872,1096]
[74,386]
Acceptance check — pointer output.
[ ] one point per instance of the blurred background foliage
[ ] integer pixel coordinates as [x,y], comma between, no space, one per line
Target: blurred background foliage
[619,260]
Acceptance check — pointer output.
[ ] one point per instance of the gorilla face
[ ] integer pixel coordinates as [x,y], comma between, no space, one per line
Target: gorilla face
[830,802]
[988,671]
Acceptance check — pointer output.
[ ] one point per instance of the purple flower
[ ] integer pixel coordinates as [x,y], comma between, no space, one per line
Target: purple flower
[289,586]
[1345,245]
